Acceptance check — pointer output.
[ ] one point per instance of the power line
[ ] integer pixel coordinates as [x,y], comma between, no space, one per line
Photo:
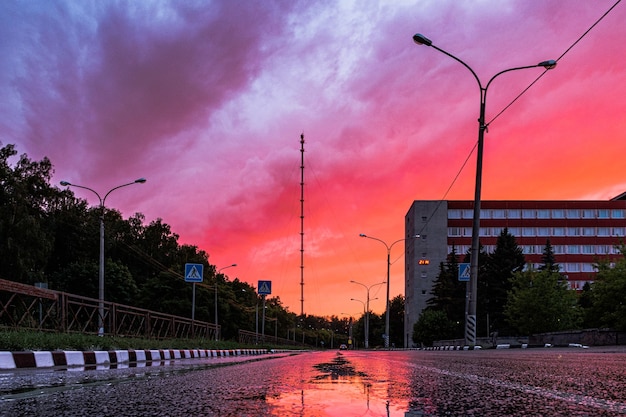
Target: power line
[509,105]
[558,59]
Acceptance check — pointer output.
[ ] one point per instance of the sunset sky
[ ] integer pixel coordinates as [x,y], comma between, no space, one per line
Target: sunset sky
[208,99]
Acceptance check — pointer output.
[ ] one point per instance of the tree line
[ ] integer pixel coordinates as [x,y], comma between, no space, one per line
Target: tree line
[515,299]
[49,235]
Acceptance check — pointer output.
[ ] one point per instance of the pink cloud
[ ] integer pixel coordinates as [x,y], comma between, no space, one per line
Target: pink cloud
[208,102]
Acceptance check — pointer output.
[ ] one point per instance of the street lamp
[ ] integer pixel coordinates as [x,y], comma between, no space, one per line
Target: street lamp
[101,262]
[218,272]
[365,324]
[470,316]
[388,268]
[367,308]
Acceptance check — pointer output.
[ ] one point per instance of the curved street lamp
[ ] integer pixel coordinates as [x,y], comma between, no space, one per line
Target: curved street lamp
[367,308]
[101,261]
[388,268]
[470,315]
[218,272]
[365,324]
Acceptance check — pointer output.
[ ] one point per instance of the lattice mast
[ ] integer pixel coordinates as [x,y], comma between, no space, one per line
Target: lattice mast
[302,225]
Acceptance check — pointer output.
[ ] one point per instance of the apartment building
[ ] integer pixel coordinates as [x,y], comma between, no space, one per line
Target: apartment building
[580,232]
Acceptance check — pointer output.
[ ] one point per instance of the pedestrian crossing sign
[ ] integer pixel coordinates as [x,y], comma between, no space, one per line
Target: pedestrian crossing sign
[265,287]
[194,272]
[464,272]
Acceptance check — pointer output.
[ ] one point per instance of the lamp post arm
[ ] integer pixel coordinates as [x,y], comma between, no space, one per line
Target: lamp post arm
[480,85]
[140,181]
[100,199]
[375,238]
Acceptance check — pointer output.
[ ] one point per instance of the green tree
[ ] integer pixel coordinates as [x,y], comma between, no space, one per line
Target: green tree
[608,294]
[432,325]
[548,259]
[495,283]
[396,321]
[168,293]
[449,293]
[24,198]
[540,302]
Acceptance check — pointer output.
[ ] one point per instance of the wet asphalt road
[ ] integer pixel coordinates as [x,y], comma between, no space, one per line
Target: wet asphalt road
[534,382]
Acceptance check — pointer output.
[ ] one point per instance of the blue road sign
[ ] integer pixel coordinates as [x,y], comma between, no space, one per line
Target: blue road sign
[265,287]
[464,272]
[194,272]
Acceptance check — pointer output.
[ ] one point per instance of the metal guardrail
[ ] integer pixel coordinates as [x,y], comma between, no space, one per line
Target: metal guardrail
[252,338]
[26,307]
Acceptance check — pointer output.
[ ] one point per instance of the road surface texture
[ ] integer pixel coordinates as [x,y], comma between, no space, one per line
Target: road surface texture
[520,382]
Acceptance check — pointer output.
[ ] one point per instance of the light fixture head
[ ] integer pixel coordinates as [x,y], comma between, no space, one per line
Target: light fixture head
[64,183]
[420,39]
[362,235]
[549,64]
[140,180]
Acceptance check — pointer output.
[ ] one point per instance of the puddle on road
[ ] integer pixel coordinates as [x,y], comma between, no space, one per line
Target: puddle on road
[337,388]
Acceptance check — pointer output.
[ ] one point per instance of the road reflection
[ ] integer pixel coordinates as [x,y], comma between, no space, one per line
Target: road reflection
[338,388]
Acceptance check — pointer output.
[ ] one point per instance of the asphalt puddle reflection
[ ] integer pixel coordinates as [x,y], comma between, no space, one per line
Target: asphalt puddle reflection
[336,388]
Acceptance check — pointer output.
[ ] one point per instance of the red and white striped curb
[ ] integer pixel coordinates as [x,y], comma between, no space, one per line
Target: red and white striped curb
[113,358]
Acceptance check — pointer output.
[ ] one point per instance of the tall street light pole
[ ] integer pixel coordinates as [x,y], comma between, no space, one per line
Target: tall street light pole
[367,308]
[388,270]
[365,325]
[101,261]
[216,275]
[470,315]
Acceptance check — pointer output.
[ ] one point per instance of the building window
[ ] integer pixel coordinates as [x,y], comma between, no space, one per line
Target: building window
[543,214]
[573,231]
[617,213]
[618,231]
[589,214]
[589,231]
[603,213]
[543,231]
[467,231]
[528,231]
[588,268]
[589,249]
[604,231]
[514,213]
[454,231]
[573,249]
[558,213]
[454,214]
[603,249]
[558,249]
[573,214]
[527,249]
[515,231]
[498,214]
[485,213]
[468,214]
[528,214]
[572,267]
[558,231]
[485,231]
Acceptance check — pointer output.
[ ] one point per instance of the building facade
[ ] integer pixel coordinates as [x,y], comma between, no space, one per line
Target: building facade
[580,232]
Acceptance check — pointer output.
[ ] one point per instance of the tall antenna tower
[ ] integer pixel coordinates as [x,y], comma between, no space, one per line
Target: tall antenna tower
[302,225]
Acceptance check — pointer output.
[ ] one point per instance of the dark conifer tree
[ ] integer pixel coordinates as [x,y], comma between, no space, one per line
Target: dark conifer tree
[449,293]
[548,259]
[495,283]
